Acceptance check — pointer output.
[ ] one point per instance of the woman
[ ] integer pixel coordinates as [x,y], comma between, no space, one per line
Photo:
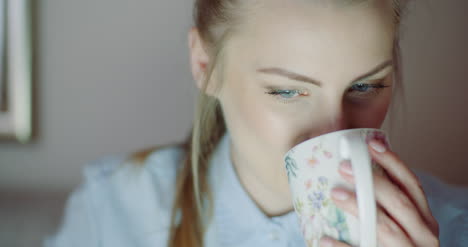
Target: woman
[271,74]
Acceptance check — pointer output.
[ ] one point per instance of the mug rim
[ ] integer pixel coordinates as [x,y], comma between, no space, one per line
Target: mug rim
[331,133]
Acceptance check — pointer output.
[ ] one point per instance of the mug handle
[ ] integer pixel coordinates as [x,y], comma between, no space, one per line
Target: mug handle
[353,147]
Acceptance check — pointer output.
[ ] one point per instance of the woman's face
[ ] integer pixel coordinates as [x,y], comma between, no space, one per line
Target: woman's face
[299,70]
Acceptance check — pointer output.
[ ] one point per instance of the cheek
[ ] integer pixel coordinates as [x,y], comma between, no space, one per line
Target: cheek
[251,115]
[371,115]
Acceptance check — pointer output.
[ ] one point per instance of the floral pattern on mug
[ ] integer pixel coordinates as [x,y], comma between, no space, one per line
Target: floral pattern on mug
[327,154]
[315,160]
[291,166]
[324,152]
[312,162]
[298,206]
[308,184]
[320,216]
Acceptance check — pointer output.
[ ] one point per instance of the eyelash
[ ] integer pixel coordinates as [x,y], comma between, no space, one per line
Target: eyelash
[377,88]
[277,93]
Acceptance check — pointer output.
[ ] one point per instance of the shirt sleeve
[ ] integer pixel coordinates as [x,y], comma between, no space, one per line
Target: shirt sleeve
[78,227]
[449,205]
[119,204]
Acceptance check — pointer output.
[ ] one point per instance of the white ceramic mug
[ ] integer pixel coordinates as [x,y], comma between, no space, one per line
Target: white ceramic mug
[312,168]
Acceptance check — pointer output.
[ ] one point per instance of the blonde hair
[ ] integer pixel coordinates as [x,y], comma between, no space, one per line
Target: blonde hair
[216,21]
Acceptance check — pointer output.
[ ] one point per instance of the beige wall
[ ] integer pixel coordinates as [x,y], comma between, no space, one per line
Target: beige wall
[435,63]
[113,76]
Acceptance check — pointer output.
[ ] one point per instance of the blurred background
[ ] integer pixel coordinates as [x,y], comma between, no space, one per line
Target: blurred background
[113,76]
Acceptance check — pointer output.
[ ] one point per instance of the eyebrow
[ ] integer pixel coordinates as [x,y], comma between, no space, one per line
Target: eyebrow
[297,77]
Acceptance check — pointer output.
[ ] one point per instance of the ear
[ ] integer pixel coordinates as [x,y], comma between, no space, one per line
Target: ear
[198,57]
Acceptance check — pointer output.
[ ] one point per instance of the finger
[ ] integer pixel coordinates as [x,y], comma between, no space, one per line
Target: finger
[406,179]
[330,242]
[398,205]
[388,232]
[402,209]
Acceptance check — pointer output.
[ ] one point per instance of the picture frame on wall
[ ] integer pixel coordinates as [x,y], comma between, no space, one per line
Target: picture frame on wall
[15,70]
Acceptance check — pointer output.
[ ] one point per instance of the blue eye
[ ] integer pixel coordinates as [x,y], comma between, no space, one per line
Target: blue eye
[286,96]
[359,90]
[285,93]
[362,89]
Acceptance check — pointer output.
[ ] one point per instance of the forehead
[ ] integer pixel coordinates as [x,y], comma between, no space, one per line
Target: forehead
[301,33]
[317,17]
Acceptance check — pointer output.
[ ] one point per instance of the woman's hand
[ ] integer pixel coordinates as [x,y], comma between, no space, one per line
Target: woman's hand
[403,214]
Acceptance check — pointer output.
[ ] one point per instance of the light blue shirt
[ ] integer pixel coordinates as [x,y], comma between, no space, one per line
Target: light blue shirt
[121,205]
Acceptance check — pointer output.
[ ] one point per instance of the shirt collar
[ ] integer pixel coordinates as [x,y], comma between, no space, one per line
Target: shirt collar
[236,216]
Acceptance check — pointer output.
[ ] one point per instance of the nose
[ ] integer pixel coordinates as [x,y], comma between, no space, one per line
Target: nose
[334,123]
[334,118]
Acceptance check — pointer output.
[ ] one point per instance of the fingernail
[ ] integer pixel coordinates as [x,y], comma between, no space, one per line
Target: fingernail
[339,194]
[346,167]
[377,146]
[326,242]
